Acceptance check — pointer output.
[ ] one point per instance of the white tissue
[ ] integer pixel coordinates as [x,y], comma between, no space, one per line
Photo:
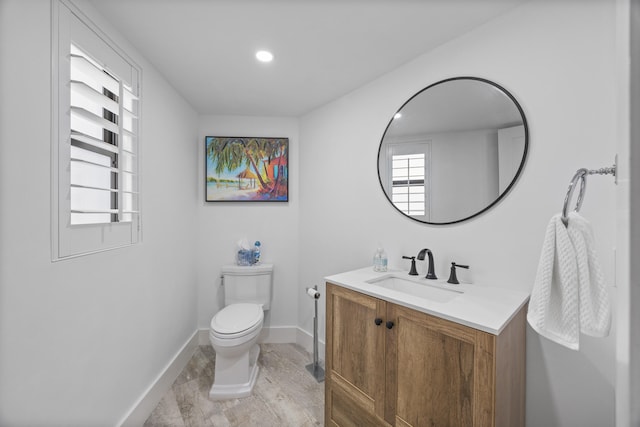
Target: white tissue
[243,244]
[313,293]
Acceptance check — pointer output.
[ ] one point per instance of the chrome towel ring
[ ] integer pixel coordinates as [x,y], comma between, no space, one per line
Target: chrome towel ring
[581,175]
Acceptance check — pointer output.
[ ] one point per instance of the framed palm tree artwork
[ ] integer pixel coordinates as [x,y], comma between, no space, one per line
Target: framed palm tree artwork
[241,169]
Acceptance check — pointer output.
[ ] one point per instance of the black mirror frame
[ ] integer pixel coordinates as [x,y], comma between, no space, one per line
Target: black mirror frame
[513,181]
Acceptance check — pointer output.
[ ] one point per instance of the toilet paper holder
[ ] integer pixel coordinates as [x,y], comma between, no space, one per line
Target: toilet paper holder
[313,292]
[314,368]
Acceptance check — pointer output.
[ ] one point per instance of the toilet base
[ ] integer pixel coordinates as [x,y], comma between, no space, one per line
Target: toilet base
[223,390]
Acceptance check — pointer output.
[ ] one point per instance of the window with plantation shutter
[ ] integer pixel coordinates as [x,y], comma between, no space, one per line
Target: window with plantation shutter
[96,146]
[408,184]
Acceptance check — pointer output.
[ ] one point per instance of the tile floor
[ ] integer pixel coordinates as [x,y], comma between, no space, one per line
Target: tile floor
[286,394]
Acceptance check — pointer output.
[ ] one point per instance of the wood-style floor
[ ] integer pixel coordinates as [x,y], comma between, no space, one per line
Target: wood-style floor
[286,394]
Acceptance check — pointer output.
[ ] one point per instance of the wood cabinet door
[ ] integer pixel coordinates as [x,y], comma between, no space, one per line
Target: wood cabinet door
[355,360]
[441,373]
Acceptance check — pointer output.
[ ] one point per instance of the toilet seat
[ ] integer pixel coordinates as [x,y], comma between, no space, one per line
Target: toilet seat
[237,320]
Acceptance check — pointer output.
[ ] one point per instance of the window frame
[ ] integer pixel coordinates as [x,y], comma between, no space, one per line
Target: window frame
[410,181]
[406,147]
[70,25]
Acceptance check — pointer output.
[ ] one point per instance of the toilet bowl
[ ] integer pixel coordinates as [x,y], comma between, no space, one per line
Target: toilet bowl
[236,328]
[234,335]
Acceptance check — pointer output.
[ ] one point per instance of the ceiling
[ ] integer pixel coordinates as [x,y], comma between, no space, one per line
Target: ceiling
[323,48]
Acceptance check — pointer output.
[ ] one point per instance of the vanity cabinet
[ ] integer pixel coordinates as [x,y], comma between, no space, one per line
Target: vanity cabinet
[388,365]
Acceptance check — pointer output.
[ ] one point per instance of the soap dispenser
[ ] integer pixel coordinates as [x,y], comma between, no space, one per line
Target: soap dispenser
[380,260]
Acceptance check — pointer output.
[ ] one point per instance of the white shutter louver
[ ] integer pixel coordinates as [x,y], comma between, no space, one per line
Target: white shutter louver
[103,116]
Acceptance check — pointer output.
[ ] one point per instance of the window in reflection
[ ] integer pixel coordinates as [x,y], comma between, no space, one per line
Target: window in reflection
[408,183]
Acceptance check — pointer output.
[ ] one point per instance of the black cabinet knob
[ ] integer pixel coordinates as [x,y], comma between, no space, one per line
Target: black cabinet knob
[389,324]
[378,321]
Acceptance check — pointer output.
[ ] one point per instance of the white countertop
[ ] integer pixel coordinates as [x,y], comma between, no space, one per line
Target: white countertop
[481,307]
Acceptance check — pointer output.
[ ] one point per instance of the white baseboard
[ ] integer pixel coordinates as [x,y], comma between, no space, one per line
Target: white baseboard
[278,335]
[305,339]
[141,410]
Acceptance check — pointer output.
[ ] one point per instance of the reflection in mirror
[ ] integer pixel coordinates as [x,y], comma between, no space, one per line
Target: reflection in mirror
[453,150]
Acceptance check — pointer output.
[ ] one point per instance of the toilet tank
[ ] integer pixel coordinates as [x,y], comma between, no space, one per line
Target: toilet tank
[252,284]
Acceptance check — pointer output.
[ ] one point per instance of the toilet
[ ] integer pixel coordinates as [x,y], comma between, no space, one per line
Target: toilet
[235,329]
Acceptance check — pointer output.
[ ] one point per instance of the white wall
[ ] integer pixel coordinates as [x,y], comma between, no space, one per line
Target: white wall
[628,208]
[464,173]
[634,285]
[222,224]
[558,60]
[76,348]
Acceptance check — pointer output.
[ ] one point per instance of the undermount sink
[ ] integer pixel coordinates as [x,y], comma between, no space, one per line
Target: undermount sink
[416,288]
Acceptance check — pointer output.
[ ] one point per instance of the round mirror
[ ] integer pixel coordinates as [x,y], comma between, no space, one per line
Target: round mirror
[453,150]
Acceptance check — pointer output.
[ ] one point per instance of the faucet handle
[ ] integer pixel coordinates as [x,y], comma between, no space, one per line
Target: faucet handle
[413,271]
[453,278]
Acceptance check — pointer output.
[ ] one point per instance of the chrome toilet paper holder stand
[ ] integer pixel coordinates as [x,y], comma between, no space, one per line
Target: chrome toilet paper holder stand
[314,368]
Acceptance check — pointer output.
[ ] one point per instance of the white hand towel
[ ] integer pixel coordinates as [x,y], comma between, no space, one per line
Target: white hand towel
[553,307]
[569,295]
[595,307]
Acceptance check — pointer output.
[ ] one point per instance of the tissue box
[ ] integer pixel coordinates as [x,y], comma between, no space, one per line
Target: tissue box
[245,257]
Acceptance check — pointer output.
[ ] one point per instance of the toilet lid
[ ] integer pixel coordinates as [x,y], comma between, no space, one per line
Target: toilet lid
[236,318]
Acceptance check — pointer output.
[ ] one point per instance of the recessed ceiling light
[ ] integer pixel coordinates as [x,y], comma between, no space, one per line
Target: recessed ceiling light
[264,56]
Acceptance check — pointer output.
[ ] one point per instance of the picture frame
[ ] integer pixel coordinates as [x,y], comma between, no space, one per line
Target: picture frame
[246,169]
